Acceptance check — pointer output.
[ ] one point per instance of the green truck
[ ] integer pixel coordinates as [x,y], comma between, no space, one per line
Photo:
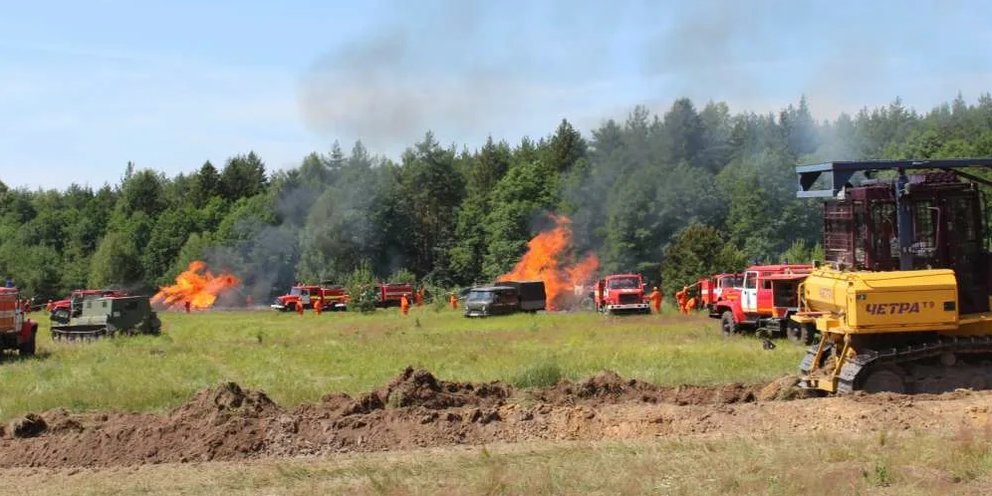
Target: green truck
[108,316]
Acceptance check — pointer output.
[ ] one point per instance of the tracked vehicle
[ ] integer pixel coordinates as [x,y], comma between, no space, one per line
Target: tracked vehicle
[94,317]
[902,302]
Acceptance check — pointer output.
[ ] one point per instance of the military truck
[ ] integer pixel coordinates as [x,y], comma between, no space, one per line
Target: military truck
[108,316]
[505,298]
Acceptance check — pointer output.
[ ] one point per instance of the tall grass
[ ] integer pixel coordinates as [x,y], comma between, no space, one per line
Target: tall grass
[298,359]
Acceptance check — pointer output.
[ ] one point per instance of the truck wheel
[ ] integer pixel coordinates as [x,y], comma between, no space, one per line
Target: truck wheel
[727,324]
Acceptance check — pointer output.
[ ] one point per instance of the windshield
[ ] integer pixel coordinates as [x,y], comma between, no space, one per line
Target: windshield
[624,283]
[480,296]
[296,291]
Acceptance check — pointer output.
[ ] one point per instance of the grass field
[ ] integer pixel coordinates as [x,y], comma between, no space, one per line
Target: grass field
[900,464]
[298,359]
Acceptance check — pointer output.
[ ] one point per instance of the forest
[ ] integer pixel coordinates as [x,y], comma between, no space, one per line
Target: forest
[690,191]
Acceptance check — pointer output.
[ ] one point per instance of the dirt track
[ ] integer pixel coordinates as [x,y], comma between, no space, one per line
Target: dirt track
[417,410]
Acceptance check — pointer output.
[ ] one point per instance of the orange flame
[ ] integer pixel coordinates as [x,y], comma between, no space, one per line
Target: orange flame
[197,285]
[547,259]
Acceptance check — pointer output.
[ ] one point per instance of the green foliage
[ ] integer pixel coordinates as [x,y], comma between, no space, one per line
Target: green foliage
[696,251]
[361,287]
[403,276]
[460,217]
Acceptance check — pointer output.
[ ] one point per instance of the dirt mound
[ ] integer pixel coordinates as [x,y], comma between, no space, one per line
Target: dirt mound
[783,388]
[415,409]
[608,387]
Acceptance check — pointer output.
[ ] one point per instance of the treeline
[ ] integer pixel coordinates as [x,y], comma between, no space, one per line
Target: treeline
[672,196]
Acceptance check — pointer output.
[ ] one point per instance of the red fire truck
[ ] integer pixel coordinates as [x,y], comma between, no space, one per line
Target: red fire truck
[389,293]
[621,293]
[764,298]
[307,295]
[17,332]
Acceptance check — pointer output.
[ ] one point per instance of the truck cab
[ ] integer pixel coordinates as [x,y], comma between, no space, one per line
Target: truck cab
[621,293]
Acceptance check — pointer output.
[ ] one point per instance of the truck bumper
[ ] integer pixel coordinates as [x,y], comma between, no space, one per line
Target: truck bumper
[630,307]
[476,313]
[277,306]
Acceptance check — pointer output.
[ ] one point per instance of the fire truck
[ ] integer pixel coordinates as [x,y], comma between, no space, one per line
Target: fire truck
[306,295]
[711,289]
[17,332]
[388,294]
[620,293]
[765,297]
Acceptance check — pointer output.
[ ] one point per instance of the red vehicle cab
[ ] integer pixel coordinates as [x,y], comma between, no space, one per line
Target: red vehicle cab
[621,293]
[711,289]
[17,332]
[62,310]
[764,297]
[307,295]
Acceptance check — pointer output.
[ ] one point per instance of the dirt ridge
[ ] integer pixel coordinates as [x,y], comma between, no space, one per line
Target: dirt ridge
[416,409]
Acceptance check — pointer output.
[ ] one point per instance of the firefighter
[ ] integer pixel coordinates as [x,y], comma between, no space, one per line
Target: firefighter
[680,298]
[453,300]
[690,305]
[299,308]
[48,306]
[318,305]
[418,297]
[187,306]
[404,304]
[656,298]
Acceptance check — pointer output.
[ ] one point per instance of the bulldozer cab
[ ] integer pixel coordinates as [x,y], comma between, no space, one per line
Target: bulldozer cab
[929,220]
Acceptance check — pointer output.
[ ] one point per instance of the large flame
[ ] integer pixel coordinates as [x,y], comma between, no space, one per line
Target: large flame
[548,259]
[197,285]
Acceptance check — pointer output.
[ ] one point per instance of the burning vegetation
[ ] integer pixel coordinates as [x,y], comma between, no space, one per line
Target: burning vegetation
[550,258]
[196,285]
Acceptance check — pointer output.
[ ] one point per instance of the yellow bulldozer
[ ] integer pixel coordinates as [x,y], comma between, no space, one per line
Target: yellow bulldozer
[901,302]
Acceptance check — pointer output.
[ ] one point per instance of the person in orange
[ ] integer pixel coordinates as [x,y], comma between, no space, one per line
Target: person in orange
[48,307]
[187,306]
[418,297]
[680,298]
[453,300]
[690,305]
[318,305]
[655,298]
[299,308]
[404,305]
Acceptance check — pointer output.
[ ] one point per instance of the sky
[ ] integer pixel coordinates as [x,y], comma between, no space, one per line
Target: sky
[86,87]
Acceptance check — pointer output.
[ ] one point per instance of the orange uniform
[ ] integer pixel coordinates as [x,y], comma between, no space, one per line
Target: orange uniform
[690,305]
[404,305]
[453,300]
[318,305]
[299,307]
[656,298]
[680,297]
[418,297]
[48,307]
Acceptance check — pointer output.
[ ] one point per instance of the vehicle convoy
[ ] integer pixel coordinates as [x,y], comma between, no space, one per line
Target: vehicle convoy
[307,295]
[763,297]
[903,303]
[17,332]
[505,297]
[620,293]
[61,310]
[95,316]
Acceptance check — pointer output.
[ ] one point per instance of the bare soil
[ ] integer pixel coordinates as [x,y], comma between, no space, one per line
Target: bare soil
[416,410]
